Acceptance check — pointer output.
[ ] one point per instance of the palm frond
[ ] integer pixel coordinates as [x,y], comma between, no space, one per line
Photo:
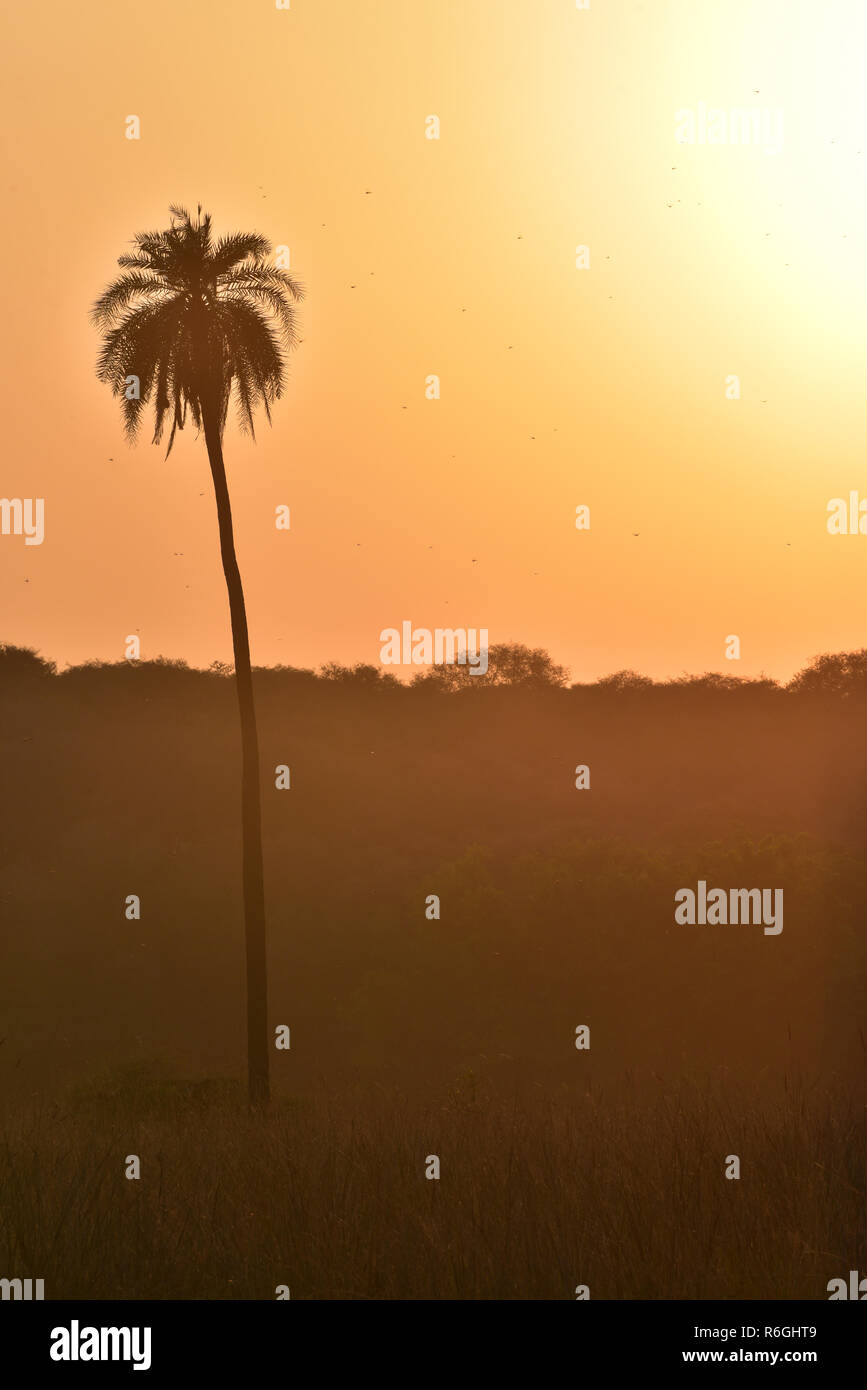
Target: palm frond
[122,293]
[239,246]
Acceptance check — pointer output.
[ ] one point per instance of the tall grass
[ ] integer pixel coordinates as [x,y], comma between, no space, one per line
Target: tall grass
[622,1192]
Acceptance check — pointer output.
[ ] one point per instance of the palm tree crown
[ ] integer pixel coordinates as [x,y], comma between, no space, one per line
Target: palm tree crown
[196,320]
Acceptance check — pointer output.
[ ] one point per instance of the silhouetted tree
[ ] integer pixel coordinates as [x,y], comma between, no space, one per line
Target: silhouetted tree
[838,673]
[509,663]
[23,663]
[620,681]
[193,323]
[361,674]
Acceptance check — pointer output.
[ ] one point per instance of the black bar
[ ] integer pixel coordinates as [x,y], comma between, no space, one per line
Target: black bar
[309,1339]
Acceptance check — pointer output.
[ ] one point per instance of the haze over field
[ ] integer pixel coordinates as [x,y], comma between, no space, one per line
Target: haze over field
[452,1035]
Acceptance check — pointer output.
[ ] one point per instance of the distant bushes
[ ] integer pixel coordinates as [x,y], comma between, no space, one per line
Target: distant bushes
[511,665]
[841,673]
[23,664]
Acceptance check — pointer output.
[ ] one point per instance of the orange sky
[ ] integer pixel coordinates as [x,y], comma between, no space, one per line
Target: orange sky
[559,386]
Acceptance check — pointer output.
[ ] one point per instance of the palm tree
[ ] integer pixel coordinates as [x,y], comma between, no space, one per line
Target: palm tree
[193,323]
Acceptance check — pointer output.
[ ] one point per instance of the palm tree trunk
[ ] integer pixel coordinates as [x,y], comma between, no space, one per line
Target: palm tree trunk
[251,812]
